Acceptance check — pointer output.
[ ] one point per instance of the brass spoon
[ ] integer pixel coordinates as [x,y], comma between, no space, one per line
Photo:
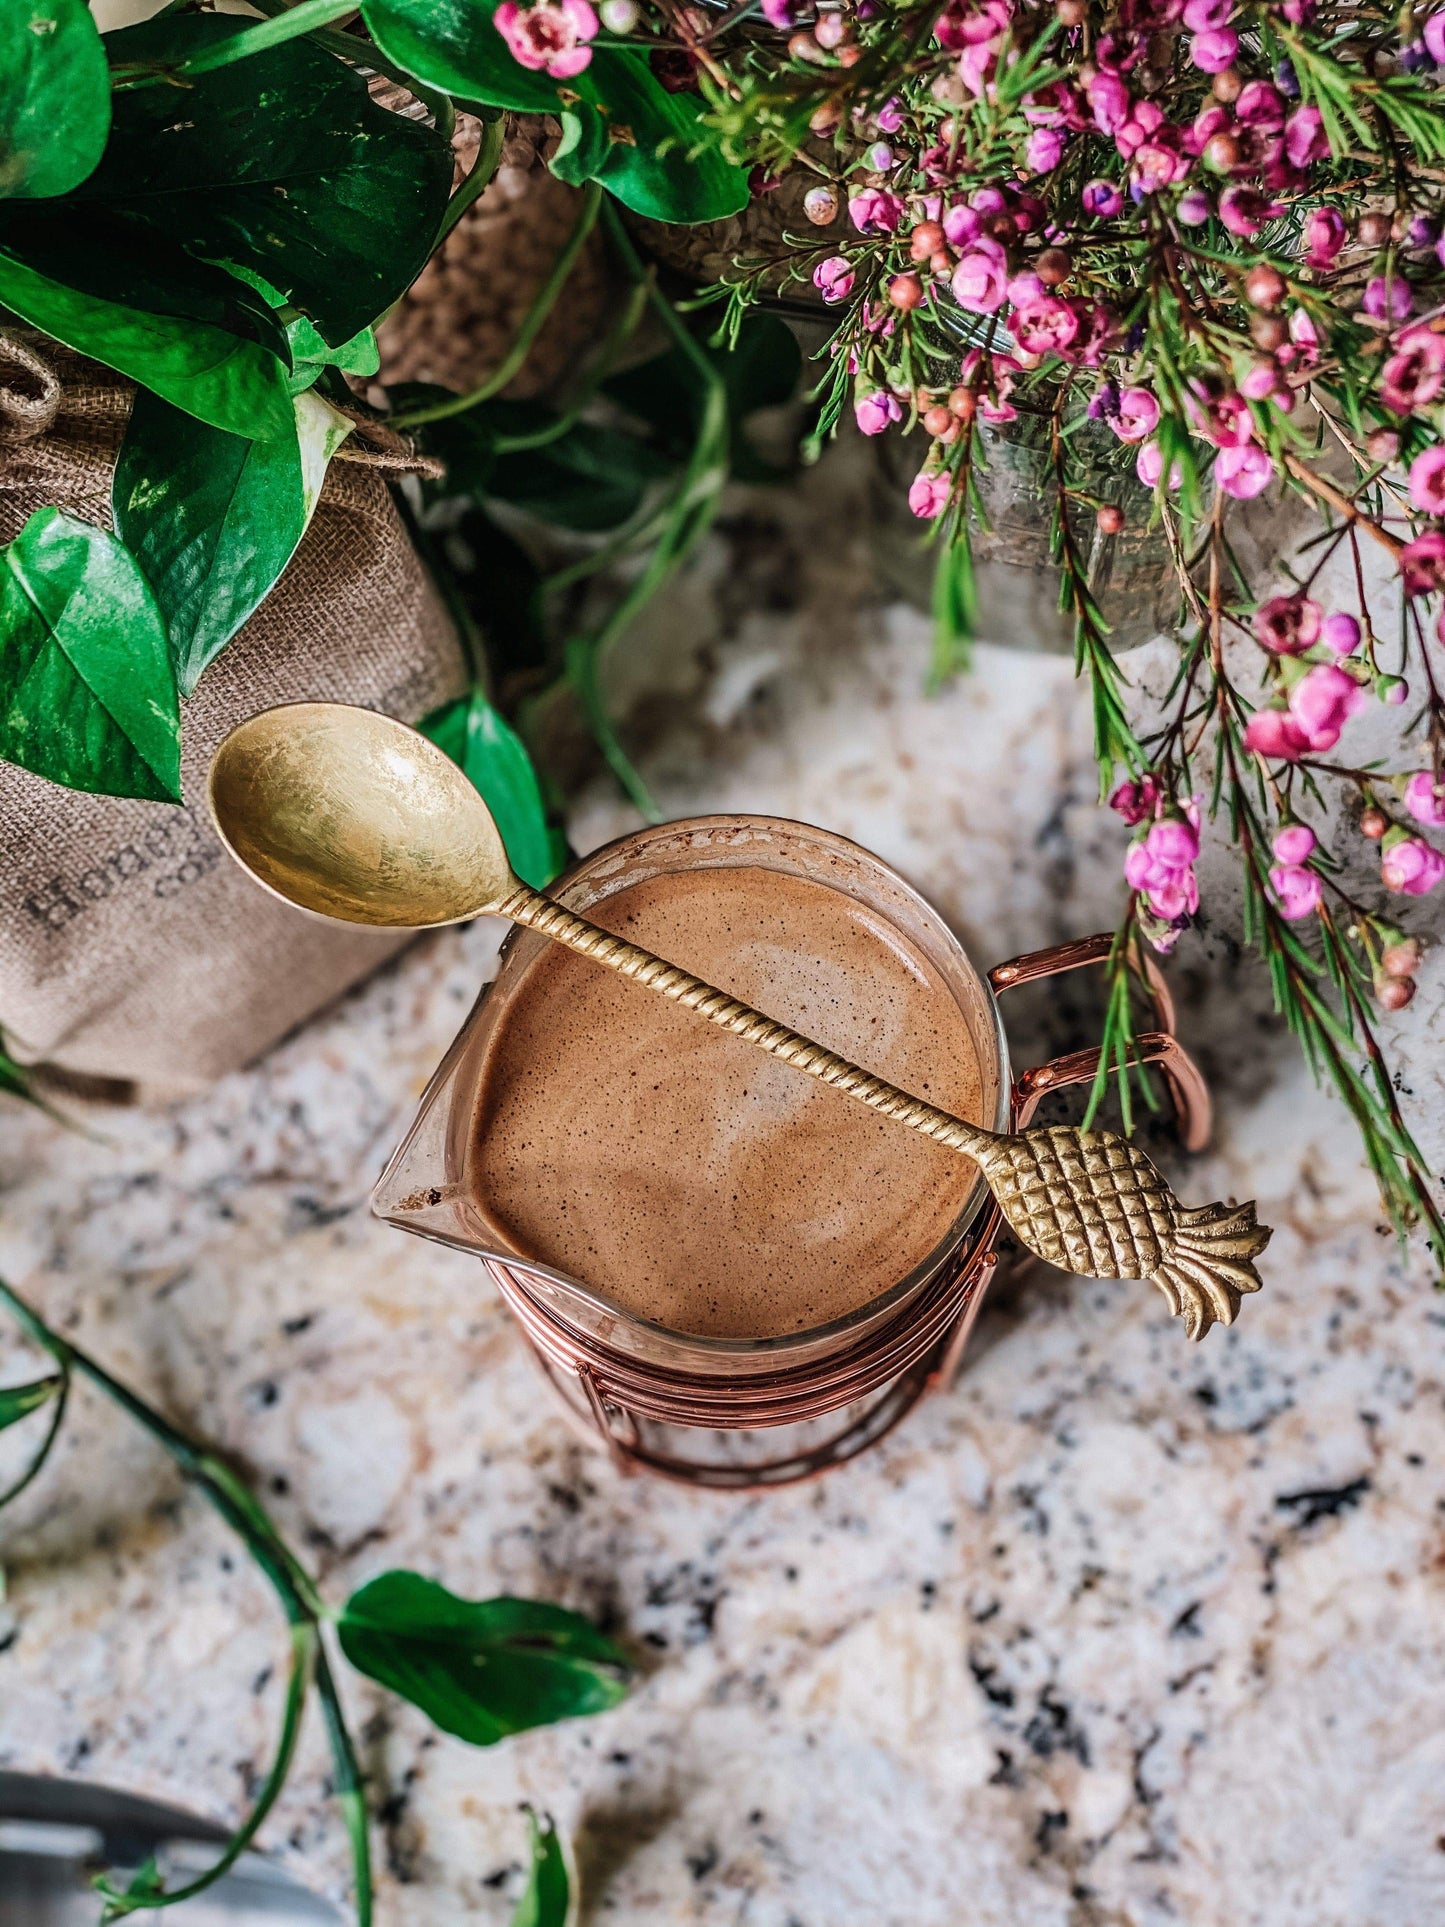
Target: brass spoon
[351,815]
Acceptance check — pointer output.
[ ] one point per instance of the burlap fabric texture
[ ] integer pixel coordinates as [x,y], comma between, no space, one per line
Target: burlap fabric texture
[131,946]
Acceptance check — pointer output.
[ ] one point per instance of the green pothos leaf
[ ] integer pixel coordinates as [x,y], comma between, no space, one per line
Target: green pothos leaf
[479,1670]
[621,126]
[186,340]
[87,692]
[482,743]
[280,165]
[54,97]
[213,518]
[19,1401]
[546,1900]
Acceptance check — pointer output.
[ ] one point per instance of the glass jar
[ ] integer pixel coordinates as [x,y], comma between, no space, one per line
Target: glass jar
[726,1411]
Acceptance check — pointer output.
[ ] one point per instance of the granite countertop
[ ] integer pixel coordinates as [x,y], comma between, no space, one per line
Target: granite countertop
[1117,1633]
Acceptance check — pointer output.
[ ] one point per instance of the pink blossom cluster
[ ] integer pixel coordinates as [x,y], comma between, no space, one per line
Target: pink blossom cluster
[1319,705]
[1297,886]
[1159,864]
[1408,864]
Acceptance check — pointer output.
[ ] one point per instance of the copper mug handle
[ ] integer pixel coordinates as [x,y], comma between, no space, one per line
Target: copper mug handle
[1193,1110]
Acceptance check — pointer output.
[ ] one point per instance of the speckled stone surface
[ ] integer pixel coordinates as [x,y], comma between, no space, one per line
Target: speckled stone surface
[1117,1633]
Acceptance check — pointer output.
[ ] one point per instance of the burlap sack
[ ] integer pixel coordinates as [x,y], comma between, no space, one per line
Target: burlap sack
[131,946]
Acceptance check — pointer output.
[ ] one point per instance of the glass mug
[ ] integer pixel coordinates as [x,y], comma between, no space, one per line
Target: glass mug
[745,1413]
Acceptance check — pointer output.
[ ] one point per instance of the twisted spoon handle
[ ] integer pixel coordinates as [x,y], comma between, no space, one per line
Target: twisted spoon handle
[1088,1201]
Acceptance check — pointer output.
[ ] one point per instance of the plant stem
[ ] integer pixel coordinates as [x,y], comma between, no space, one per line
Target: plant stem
[483,168]
[301,1601]
[305,1646]
[542,305]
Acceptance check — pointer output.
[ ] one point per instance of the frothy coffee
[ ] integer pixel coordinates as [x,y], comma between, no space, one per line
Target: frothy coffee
[677,1170]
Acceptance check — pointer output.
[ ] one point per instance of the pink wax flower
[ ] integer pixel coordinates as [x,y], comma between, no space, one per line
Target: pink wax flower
[1043,327]
[1305,139]
[1414,375]
[1387,298]
[1244,210]
[960,225]
[1137,417]
[1294,844]
[929,493]
[1425,798]
[969,25]
[1260,104]
[889,117]
[1149,467]
[1160,867]
[1262,382]
[1157,166]
[1101,199]
[1135,801]
[550,35]
[1274,734]
[873,210]
[1409,865]
[1427,481]
[1243,472]
[1422,563]
[976,66]
[873,413]
[1202,15]
[1435,38]
[1325,234]
[1045,149]
[1304,338]
[1340,632]
[1297,891]
[833,278]
[1287,625]
[779,14]
[981,277]
[1173,842]
[1108,102]
[1322,702]
[1213,51]
[1194,208]
[1023,289]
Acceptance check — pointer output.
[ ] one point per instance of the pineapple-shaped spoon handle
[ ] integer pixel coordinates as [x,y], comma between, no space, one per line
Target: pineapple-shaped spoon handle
[1088,1201]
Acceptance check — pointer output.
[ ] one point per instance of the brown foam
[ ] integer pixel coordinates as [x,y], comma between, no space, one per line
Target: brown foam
[679,1171]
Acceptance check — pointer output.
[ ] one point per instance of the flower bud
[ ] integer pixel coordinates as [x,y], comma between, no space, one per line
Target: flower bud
[1401,959]
[1227,85]
[938,419]
[1373,230]
[1393,993]
[1382,444]
[925,241]
[824,119]
[1264,286]
[1373,823]
[1053,266]
[820,204]
[1392,690]
[905,291]
[1269,332]
[1110,518]
[619,16]
[1072,13]
[1221,153]
[830,30]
